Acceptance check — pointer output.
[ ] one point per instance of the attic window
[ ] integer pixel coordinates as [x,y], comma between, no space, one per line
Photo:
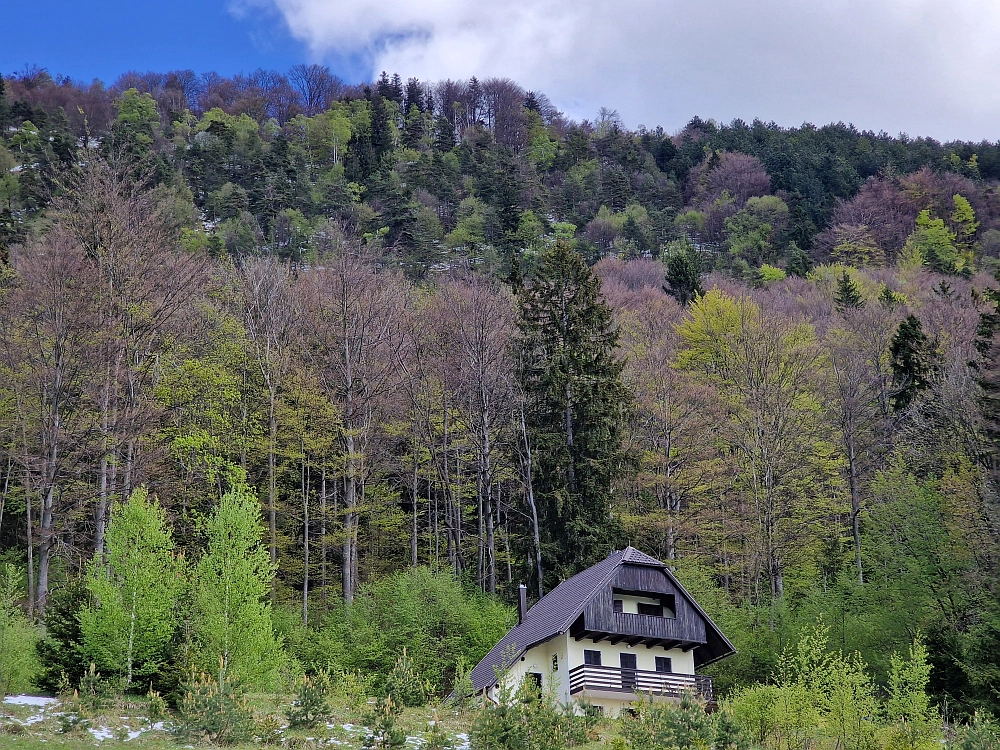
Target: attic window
[618,606]
[653,610]
[593,658]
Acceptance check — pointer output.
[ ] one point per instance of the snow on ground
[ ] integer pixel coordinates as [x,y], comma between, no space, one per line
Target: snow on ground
[30,700]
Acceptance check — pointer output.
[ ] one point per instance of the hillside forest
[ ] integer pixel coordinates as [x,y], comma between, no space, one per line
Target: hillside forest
[384,352]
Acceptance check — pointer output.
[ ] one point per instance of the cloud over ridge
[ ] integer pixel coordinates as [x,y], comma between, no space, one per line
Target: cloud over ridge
[921,66]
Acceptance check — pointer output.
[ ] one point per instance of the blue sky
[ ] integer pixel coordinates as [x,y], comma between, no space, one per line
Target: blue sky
[102,39]
[923,67]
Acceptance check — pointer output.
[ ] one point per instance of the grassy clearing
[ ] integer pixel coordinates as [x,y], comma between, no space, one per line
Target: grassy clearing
[126,723]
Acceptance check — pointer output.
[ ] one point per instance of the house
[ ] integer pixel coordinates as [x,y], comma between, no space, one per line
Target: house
[620,630]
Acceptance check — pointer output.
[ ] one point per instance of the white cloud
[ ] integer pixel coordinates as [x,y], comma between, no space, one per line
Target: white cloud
[926,67]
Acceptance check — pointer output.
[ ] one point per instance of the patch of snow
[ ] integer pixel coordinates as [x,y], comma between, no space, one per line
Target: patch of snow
[464,739]
[101,733]
[29,700]
[347,727]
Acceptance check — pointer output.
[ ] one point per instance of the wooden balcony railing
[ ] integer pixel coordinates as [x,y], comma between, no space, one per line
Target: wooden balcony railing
[639,681]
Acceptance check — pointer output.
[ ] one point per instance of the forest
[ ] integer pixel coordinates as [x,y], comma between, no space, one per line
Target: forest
[354,361]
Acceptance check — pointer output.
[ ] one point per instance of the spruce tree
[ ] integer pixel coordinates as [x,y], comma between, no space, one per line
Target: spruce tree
[912,362]
[575,407]
[848,295]
[684,273]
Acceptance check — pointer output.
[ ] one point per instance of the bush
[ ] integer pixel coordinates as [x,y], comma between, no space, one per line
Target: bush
[404,685]
[527,719]
[383,733]
[982,733]
[60,652]
[657,724]
[428,613]
[310,706]
[18,659]
[215,711]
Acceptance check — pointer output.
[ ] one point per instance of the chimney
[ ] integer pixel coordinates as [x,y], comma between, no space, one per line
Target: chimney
[522,603]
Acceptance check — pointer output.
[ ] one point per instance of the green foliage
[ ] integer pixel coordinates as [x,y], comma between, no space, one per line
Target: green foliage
[213,710]
[682,725]
[435,738]
[233,630]
[684,269]
[310,706]
[848,295]
[403,684]
[440,625]
[576,403]
[93,692]
[526,719]
[935,243]
[128,628]
[18,659]
[60,651]
[912,362]
[982,733]
[383,732]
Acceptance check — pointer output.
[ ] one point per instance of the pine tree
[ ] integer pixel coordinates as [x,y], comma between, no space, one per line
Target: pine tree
[575,407]
[128,627]
[848,295]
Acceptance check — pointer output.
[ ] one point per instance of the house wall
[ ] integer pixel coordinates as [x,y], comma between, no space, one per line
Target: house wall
[569,654]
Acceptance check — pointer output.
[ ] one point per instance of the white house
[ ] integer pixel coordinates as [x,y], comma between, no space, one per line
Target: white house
[620,630]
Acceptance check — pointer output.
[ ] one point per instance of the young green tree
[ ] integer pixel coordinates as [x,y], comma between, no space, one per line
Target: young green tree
[128,627]
[233,629]
[912,361]
[18,661]
[576,406]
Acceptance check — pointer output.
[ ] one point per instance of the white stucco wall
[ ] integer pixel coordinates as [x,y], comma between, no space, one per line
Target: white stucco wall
[569,654]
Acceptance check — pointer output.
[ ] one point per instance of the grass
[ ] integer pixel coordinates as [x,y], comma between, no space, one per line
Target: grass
[52,727]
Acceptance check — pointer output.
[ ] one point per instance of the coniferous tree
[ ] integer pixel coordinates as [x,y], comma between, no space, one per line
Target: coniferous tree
[576,403]
[848,295]
[912,362]
[684,273]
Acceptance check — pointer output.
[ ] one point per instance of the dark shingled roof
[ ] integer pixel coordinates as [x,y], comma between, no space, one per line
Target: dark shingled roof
[558,609]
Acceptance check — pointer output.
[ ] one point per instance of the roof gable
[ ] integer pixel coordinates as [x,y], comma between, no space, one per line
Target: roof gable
[557,610]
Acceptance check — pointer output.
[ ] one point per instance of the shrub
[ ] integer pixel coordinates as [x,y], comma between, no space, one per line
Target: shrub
[215,711]
[527,719]
[310,706]
[657,724]
[18,659]
[426,612]
[383,732]
[404,685]
[435,738]
[982,733]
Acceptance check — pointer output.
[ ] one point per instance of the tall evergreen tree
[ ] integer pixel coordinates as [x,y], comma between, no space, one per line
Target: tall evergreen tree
[684,273]
[575,408]
[848,295]
[912,362]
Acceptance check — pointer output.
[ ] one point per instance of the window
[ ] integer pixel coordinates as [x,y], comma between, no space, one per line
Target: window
[593,658]
[535,678]
[618,606]
[555,662]
[663,664]
[653,610]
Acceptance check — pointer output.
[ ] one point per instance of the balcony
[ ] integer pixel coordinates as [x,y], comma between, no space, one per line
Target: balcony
[631,684]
